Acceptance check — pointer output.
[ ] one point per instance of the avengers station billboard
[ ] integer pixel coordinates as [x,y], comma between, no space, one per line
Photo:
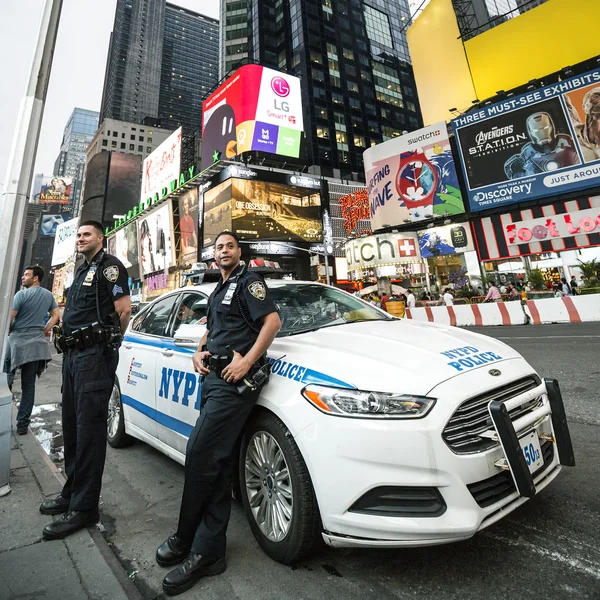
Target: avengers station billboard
[539,144]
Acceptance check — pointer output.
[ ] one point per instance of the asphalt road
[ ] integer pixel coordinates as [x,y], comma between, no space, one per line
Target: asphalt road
[549,548]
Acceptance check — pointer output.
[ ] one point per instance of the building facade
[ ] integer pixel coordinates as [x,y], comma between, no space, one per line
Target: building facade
[353,61]
[162,60]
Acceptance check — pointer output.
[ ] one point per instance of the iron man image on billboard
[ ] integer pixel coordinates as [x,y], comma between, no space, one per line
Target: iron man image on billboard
[547,151]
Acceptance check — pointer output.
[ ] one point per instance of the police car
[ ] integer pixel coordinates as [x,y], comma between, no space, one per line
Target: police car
[373,431]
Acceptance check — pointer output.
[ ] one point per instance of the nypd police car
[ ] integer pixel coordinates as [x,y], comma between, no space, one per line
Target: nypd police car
[372,431]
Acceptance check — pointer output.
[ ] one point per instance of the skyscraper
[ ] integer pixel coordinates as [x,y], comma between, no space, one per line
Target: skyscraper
[78,133]
[162,60]
[353,61]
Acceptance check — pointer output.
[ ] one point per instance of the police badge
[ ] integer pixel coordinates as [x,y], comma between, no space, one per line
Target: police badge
[258,290]
[111,273]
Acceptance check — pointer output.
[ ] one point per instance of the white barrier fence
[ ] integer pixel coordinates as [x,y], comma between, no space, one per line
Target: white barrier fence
[569,309]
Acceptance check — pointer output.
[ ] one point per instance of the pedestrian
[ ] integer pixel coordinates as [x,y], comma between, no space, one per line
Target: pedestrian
[557,291]
[566,288]
[574,286]
[242,323]
[410,299]
[28,348]
[513,292]
[448,297]
[96,313]
[493,294]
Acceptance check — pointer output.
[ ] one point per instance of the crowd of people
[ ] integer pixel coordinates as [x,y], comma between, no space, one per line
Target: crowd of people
[497,292]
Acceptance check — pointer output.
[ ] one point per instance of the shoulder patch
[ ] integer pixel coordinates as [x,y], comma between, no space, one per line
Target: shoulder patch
[111,273]
[258,290]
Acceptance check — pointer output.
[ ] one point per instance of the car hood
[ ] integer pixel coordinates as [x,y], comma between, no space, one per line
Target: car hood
[391,356]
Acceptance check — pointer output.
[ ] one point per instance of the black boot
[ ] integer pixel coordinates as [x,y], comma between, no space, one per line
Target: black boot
[69,523]
[194,567]
[55,506]
[172,551]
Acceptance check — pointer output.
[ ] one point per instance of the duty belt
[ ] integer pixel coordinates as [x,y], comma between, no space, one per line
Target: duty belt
[87,337]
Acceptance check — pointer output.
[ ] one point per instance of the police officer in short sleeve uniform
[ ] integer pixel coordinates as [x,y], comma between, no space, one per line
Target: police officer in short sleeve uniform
[96,312]
[242,323]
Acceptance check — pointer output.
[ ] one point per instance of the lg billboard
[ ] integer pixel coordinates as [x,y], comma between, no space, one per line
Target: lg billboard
[540,144]
[255,109]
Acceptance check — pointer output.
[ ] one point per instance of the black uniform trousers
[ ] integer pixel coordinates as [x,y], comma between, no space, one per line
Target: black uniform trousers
[206,501]
[87,382]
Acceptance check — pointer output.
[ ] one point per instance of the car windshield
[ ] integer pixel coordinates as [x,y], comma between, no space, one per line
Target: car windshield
[305,308]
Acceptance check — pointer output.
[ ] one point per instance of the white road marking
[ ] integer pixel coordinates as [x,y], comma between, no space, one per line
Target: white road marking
[581,565]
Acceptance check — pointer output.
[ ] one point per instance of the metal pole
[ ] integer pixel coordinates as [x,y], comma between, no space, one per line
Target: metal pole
[327,280]
[13,202]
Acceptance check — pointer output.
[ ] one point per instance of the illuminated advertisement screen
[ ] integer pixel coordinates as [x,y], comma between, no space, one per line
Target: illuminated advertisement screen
[254,109]
[55,190]
[445,240]
[188,226]
[124,245]
[51,222]
[162,167]
[412,178]
[263,210]
[156,240]
[543,143]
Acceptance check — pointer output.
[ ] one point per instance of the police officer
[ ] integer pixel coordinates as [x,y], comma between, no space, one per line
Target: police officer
[242,323]
[96,312]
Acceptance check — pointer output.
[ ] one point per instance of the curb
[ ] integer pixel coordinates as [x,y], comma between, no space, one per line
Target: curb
[51,481]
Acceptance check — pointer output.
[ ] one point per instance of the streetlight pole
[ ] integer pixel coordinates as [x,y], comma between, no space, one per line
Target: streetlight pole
[13,202]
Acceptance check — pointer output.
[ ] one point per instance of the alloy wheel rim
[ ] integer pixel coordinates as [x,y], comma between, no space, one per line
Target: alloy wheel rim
[114,412]
[269,486]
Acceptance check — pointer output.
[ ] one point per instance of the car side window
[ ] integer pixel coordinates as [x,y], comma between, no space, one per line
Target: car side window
[154,320]
[191,311]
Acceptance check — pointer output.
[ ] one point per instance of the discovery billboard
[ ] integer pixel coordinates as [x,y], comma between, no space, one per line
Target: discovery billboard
[539,144]
[254,109]
[411,178]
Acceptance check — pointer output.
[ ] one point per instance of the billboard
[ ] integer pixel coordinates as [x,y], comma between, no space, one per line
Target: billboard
[188,226]
[384,249]
[445,240]
[162,167]
[55,190]
[555,227]
[156,240]
[412,178]
[263,210]
[124,245]
[64,242]
[51,222]
[254,109]
[539,144]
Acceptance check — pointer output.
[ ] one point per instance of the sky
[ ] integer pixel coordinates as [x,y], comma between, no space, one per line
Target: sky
[78,68]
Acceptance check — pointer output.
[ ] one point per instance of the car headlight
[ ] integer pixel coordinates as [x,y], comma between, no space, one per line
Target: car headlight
[374,405]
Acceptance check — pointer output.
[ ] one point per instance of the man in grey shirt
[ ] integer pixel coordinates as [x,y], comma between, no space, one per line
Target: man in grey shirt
[28,348]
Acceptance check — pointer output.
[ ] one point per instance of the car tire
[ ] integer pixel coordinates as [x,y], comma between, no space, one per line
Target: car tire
[284,490]
[115,424]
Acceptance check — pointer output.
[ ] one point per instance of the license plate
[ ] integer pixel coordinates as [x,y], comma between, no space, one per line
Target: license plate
[532,451]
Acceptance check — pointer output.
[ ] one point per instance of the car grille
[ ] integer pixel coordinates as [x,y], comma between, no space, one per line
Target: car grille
[471,419]
[500,486]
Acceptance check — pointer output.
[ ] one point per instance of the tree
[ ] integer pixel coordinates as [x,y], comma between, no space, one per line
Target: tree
[536,279]
[591,271]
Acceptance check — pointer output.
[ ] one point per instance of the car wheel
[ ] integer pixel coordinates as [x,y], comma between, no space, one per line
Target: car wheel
[117,437]
[277,491]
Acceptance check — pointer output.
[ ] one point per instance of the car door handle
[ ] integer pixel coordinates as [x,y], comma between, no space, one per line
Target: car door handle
[128,345]
[167,352]
[181,343]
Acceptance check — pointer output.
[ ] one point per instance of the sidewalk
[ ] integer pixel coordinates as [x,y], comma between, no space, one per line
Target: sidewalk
[81,566]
